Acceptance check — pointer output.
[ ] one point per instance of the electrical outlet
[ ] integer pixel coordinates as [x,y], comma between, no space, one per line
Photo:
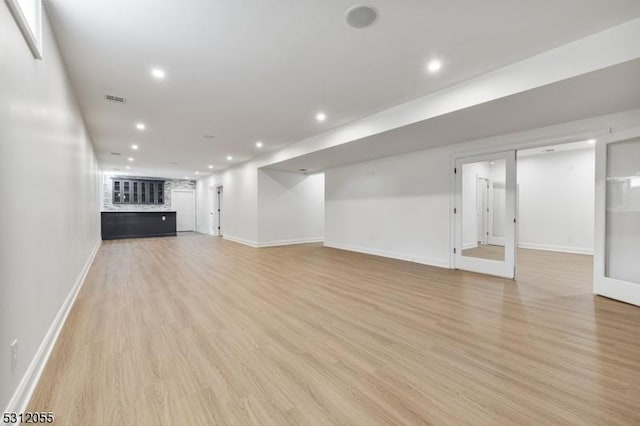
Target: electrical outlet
[14,354]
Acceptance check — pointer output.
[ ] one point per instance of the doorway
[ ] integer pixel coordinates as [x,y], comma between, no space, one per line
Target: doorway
[544,207]
[183,201]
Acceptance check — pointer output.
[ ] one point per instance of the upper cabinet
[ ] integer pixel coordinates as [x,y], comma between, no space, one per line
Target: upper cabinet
[137,191]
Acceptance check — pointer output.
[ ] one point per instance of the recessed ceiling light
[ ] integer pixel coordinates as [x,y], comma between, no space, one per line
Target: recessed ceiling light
[434,65]
[186,177]
[140,126]
[128,168]
[210,166]
[591,141]
[259,144]
[197,173]
[130,158]
[321,116]
[158,73]
[229,157]
[134,146]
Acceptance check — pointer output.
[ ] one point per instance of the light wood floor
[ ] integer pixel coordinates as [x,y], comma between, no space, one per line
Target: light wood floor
[198,330]
[487,251]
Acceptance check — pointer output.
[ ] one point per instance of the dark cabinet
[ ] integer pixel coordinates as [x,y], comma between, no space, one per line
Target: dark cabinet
[117,225]
[137,191]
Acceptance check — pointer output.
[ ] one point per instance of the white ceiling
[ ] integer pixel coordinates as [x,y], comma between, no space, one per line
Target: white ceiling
[597,93]
[255,70]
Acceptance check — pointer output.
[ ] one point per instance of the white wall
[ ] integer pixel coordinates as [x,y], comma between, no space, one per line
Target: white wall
[49,218]
[290,207]
[400,206]
[240,203]
[396,207]
[556,201]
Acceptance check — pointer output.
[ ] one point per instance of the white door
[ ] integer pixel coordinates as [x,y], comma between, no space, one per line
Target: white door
[617,216]
[472,253]
[183,201]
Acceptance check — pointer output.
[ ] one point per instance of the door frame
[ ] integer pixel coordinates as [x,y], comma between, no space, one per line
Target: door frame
[602,285]
[191,191]
[218,206]
[526,142]
[505,268]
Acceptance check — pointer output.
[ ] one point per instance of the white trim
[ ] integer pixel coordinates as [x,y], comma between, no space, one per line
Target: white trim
[34,41]
[440,263]
[467,246]
[240,240]
[290,242]
[552,247]
[24,391]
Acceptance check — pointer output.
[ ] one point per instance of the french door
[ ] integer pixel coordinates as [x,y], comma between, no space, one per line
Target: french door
[617,233]
[485,215]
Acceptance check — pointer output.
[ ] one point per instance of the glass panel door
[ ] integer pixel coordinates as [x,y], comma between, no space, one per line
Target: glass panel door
[617,251]
[485,214]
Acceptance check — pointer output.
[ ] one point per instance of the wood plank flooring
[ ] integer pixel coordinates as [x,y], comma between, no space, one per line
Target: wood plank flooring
[196,330]
[487,251]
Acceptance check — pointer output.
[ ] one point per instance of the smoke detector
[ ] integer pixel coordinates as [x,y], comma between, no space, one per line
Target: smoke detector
[361,16]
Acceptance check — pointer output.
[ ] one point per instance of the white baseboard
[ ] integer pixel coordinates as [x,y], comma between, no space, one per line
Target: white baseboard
[240,240]
[551,247]
[290,242]
[466,246]
[271,243]
[23,393]
[441,263]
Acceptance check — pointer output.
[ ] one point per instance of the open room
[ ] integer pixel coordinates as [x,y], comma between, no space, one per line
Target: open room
[415,212]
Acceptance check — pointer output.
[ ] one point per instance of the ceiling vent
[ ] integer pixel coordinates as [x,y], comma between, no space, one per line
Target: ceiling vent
[361,16]
[116,153]
[113,98]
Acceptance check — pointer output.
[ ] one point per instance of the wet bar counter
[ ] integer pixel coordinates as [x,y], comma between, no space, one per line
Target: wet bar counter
[127,224]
